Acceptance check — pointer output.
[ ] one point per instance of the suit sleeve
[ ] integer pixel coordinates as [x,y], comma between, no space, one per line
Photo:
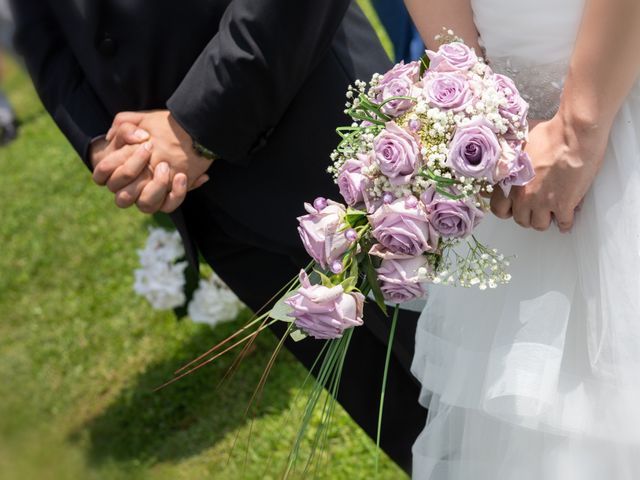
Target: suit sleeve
[244,80]
[57,76]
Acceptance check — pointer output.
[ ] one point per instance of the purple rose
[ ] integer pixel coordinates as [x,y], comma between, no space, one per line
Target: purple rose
[352,182]
[397,82]
[520,173]
[475,150]
[452,57]
[397,153]
[452,218]
[448,90]
[402,278]
[322,233]
[323,312]
[403,227]
[516,109]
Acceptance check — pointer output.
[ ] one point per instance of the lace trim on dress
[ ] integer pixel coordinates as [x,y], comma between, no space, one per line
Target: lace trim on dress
[540,85]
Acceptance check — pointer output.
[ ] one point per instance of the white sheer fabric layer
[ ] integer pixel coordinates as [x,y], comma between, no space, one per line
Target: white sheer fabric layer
[541,379]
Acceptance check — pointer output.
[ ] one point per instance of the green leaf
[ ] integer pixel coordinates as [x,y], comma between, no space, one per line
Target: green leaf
[326,281]
[355,217]
[399,97]
[366,118]
[372,278]
[446,193]
[355,211]
[281,310]
[298,335]
[354,271]
[424,64]
[348,284]
[443,180]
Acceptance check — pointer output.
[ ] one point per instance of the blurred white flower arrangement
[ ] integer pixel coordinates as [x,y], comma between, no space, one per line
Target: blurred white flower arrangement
[213,302]
[161,281]
[160,278]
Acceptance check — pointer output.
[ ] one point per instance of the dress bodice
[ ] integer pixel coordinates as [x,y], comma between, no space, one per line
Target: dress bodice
[531,41]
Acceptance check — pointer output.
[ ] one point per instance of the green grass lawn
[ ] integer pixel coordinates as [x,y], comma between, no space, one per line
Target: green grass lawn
[80,353]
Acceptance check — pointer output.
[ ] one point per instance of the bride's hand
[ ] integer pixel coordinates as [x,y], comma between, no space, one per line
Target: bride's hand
[566,159]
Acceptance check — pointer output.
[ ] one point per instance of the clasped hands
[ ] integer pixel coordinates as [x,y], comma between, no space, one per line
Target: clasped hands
[147,159]
[566,155]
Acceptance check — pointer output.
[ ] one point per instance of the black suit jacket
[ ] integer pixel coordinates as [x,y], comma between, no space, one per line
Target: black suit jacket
[259,82]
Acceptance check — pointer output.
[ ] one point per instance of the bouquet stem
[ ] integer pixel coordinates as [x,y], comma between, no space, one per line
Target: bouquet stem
[392,335]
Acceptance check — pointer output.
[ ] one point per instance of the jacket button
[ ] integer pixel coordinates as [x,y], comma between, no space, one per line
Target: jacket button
[107,46]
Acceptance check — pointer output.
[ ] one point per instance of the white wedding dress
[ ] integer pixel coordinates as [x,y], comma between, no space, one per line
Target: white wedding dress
[540,379]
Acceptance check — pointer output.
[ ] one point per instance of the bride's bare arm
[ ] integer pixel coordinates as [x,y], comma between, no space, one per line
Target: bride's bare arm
[568,151]
[430,16]
[605,63]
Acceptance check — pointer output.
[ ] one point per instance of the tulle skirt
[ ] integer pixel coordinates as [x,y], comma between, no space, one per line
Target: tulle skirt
[540,379]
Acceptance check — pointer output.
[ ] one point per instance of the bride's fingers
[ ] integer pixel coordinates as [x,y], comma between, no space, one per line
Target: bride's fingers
[131,169]
[541,220]
[522,216]
[500,205]
[564,219]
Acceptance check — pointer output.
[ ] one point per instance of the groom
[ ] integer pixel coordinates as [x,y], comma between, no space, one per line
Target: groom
[247,94]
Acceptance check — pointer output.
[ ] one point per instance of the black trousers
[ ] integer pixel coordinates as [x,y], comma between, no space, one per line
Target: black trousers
[256,270]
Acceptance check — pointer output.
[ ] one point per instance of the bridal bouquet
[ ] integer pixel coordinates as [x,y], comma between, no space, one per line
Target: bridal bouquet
[428,141]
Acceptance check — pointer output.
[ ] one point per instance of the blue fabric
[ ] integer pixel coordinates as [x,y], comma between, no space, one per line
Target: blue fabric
[406,41]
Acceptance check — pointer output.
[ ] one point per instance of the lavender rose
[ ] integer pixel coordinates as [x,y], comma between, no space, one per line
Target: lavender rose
[448,90]
[521,173]
[452,218]
[397,82]
[452,57]
[516,109]
[397,153]
[352,182]
[403,227]
[321,231]
[323,312]
[402,278]
[475,150]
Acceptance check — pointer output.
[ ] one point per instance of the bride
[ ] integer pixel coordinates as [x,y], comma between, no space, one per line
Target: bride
[541,379]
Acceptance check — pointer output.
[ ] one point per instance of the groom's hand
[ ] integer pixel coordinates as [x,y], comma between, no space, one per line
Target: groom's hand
[147,159]
[127,156]
[172,146]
